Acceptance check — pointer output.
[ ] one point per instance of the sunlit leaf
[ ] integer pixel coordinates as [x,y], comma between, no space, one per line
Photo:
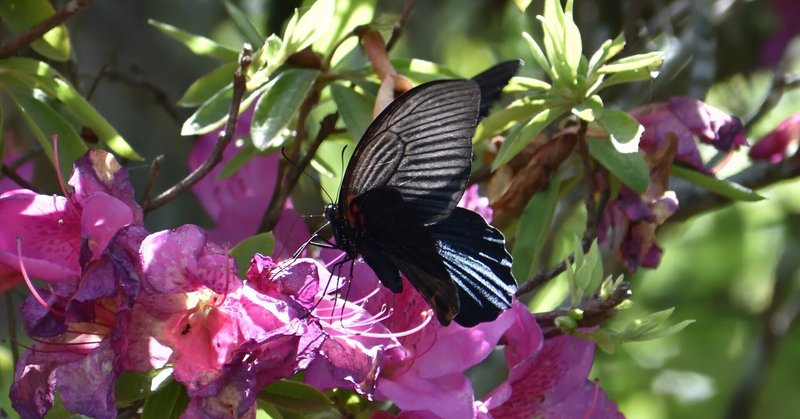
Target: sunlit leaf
[21,15]
[276,108]
[533,228]
[590,109]
[522,5]
[649,60]
[502,120]
[625,130]
[607,51]
[512,146]
[722,187]
[214,112]
[243,252]
[349,14]
[305,30]
[630,168]
[200,45]
[538,55]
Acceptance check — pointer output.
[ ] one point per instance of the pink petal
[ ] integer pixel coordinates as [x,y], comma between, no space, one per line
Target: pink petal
[101,218]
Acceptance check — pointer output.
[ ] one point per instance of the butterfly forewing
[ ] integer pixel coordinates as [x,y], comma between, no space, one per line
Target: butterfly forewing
[420,145]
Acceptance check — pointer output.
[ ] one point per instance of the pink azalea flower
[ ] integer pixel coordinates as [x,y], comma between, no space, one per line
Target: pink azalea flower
[60,235]
[228,339]
[471,200]
[774,146]
[546,378]
[80,335]
[237,204]
[688,119]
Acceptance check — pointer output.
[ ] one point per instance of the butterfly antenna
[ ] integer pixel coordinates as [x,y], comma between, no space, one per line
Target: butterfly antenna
[306,174]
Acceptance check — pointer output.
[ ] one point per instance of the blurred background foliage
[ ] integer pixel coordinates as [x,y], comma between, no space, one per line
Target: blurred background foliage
[735,270]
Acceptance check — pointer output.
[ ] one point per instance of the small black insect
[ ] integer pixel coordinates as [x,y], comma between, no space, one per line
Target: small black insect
[397,203]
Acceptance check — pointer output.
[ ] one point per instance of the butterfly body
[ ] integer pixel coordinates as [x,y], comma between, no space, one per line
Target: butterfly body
[397,205]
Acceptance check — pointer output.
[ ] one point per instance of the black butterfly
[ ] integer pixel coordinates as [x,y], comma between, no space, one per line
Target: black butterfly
[397,203]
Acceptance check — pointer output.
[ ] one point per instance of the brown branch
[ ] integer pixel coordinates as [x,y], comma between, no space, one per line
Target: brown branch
[11,174]
[225,137]
[289,175]
[160,96]
[155,169]
[37,31]
[541,278]
[401,23]
[595,311]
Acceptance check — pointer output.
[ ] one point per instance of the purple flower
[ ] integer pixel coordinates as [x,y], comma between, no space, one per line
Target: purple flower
[687,118]
[774,146]
[237,204]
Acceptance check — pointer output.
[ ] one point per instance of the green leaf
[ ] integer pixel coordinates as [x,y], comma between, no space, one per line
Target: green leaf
[590,109]
[44,122]
[265,61]
[131,387]
[588,271]
[295,397]
[526,84]
[722,187]
[243,25]
[630,168]
[608,50]
[502,120]
[21,15]
[355,109]
[243,252]
[538,55]
[650,60]
[513,145]
[169,402]
[625,130]
[630,76]
[304,31]
[236,162]
[276,108]
[533,228]
[208,85]
[649,327]
[214,112]
[40,75]
[200,45]
[348,15]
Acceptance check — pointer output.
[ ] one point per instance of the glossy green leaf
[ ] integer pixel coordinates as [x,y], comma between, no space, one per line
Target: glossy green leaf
[526,84]
[349,14]
[39,75]
[208,85]
[169,402]
[650,60]
[502,120]
[304,31]
[214,112]
[630,168]
[295,397]
[355,109]
[45,122]
[243,252]
[630,76]
[513,145]
[276,108]
[607,51]
[533,229]
[624,130]
[243,25]
[265,61]
[131,387]
[200,45]
[722,187]
[21,15]
[590,109]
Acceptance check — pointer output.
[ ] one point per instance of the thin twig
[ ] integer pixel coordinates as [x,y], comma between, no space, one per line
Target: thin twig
[289,174]
[225,137]
[541,278]
[155,168]
[37,31]
[11,174]
[161,97]
[780,84]
[595,311]
[401,23]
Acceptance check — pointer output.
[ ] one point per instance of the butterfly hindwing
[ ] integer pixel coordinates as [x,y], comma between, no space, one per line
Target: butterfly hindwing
[420,145]
[474,254]
[395,238]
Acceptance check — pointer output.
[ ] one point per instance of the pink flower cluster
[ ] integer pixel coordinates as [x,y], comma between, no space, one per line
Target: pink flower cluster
[118,299]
